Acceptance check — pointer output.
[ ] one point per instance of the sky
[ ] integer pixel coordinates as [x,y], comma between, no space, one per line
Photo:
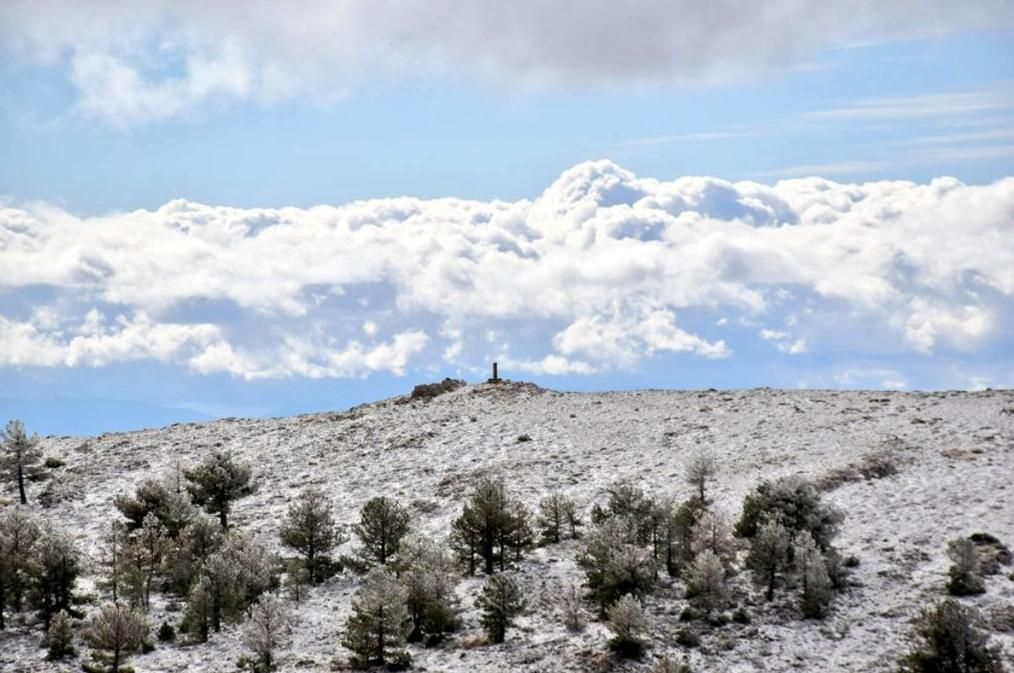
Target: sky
[258,208]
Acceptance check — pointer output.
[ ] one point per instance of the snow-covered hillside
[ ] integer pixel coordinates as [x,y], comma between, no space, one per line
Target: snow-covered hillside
[954,451]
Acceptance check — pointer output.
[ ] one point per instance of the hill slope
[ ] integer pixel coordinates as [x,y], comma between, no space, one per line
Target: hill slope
[954,452]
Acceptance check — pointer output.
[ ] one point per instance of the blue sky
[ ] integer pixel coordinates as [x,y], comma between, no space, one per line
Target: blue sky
[195,213]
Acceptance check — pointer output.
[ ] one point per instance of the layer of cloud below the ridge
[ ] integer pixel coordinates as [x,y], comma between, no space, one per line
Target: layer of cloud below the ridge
[593,275]
[269,51]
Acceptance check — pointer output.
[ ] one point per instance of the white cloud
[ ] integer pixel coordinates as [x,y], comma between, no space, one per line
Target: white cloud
[320,48]
[603,270]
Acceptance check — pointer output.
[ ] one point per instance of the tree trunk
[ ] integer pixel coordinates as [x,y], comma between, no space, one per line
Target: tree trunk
[380,637]
[223,517]
[116,658]
[21,484]
[771,584]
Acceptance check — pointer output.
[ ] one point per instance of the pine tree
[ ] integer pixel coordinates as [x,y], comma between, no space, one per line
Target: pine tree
[199,539]
[148,545]
[118,631]
[701,468]
[491,525]
[429,581]
[557,518]
[500,602]
[54,568]
[310,529]
[111,560]
[382,525]
[768,555]
[60,637]
[217,482]
[706,583]
[684,520]
[229,582]
[20,455]
[19,533]
[379,622]
[796,504]
[628,623]
[614,564]
[572,610]
[713,533]
[811,569]
[266,631]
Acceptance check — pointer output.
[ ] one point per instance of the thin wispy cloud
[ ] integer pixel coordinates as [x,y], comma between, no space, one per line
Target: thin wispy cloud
[916,107]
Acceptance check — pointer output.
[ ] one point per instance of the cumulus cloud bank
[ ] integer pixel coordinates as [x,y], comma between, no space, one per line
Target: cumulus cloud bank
[597,273]
[269,50]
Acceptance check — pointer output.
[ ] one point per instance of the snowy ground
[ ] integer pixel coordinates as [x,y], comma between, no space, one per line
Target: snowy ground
[955,453]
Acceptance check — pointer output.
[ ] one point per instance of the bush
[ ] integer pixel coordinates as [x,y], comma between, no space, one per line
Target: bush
[166,633]
[947,638]
[688,637]
[965,575]
[118,630]
[427,391]
[60,637]
[669,665]
[628,623]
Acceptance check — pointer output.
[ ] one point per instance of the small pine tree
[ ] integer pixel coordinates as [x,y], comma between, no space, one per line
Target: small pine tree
[768,555]
[557,518]
[681,533]
[614,564]
[217,482]
[491,526]
[196,542]
[54,568]
[701,468]
[111,560]
[811,570]
[60,637]
[20,455]
[19,533]
[572,611]
[706,583]
[628,622]
[500,602]
[378,625]
[115,633]
[310,529]
[947,638]
[266,632]
[712,532]
[965,575]
[382,525]
[429,581]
